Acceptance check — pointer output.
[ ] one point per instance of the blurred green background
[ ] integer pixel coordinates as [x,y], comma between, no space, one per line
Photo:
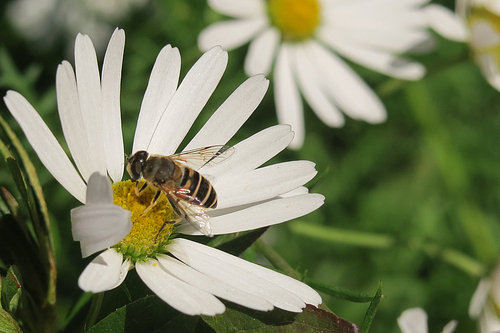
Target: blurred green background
[413,202]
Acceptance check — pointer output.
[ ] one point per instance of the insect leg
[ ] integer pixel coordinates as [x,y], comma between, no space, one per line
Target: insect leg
[139,191]
[153,202]
[165,224]
[180,215]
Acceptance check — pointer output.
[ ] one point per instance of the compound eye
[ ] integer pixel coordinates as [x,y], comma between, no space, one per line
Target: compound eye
[135,163]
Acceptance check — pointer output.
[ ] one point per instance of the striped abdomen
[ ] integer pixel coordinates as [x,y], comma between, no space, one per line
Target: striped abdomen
[199,188]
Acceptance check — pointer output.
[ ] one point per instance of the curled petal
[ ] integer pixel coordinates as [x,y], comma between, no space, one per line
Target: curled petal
[99,224]
[107,271]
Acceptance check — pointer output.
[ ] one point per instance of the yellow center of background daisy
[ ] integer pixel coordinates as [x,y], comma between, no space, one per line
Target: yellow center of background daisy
[144,240]
[485,27]
[296,19]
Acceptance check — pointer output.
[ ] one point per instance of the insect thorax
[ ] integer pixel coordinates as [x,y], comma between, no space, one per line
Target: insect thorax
[158,170]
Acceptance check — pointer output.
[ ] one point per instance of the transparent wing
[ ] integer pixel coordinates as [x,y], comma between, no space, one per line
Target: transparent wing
[195,214]
[200,157]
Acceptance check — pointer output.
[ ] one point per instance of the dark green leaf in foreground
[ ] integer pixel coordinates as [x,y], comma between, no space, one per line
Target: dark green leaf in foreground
[7,323]
[149,314]
[11,290]
[312,319]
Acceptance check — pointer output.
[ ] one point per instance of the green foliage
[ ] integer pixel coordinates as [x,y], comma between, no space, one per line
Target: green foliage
[414,202]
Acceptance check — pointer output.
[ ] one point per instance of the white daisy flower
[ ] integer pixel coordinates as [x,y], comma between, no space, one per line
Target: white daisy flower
[303,37]
[483,17]
[485,301]
[414,320]
[183,273]
[42,20]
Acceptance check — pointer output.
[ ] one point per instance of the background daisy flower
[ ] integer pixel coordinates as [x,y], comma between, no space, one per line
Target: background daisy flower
[484,303]
[249,197]
[415,321]
[483,17]
[44,21]
[303,38]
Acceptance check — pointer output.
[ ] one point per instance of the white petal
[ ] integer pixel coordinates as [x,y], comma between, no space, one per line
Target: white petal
[479,298]
[89,92]
[489,321]
[188,101]
[161,87]
[446,22]
[386,38]
[236,219]
[230,34]
[380,15]
[490,69]
[176,293]
[99,224]
[287,97]
[298,191]
[484,35]
[232,114]
[70,115]
[348,90]
[413,321]
[111,78]
[105,272]
[253,152]
[45,144]
[309,82]
[377,60]
[280,290]
[240,8]
[213,285]
[450,327]
[99,190]
[492,6]
[263,183]
[261,52]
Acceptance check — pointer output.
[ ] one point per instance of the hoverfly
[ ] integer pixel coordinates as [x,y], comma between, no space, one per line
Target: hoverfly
[176,176]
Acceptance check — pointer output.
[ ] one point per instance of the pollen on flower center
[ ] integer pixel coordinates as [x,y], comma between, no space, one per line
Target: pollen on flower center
[144,240]
[485,32]
[296,19]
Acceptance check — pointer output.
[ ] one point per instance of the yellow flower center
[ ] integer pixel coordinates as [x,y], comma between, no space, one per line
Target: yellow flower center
[296,19]
[145,239]
[485,32]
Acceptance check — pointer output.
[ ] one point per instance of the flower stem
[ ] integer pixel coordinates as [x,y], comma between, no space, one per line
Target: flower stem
[455,258]
[334,235]
[275,259]
[95,307]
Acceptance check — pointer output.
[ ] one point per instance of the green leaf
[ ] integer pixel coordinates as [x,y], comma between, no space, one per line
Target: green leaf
[372,309]
[17,247]
[29,170]
[312,319]
[12,289]
[7,323]
[148,314]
